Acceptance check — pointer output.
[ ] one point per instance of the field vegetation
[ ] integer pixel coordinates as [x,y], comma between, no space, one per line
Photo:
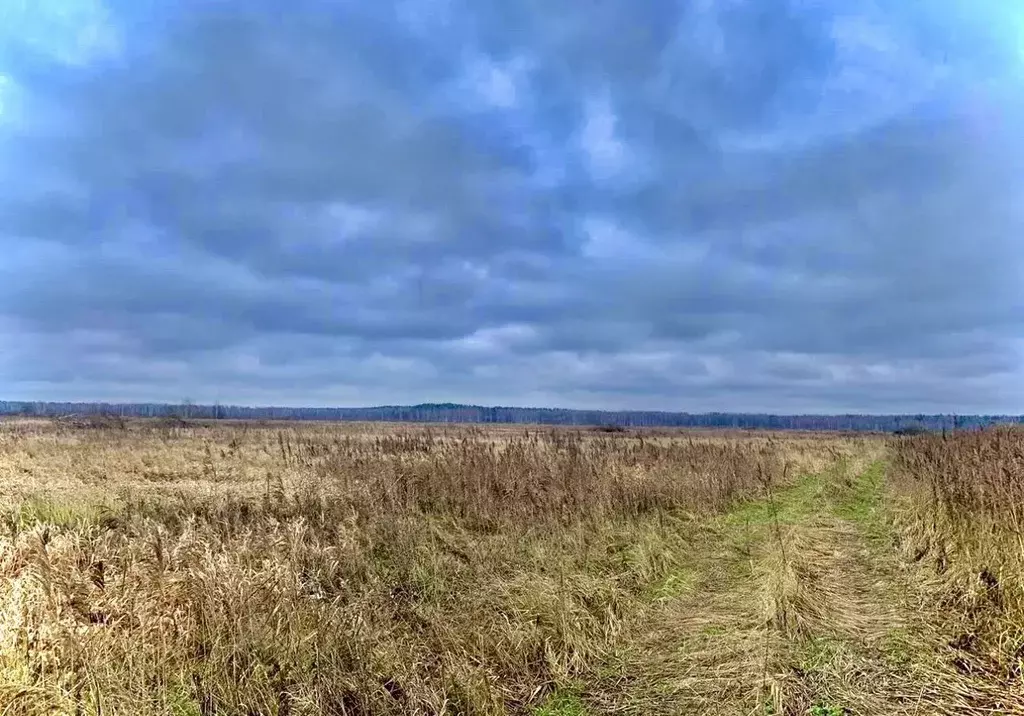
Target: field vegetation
[964,523]
[194,568]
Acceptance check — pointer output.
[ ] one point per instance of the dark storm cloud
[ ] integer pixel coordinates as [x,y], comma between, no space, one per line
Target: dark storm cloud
[683,205]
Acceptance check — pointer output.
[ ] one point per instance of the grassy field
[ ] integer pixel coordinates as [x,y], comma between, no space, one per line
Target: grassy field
[183,568]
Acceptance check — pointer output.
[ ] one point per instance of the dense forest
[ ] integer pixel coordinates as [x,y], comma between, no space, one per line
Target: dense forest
[454,413]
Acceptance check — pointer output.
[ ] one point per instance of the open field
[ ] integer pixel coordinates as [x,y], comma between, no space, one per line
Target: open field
[310,568]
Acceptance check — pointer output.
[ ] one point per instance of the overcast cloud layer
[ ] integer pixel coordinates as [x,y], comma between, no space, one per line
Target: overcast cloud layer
[765,205]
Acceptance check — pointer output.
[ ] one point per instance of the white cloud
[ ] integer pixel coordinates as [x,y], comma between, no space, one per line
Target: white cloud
[607,240]
[74,32]
[606,155]
[495,84]
[498,340]
[343,220]
[6,90]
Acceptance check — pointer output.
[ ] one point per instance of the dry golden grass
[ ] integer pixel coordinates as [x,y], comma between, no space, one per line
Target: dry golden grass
[163,568]
[243,568]
[963,522]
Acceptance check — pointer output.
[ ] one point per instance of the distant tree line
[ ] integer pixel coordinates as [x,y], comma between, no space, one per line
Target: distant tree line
[455,413]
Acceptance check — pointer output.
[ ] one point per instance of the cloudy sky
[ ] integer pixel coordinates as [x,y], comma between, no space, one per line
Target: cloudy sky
[766,205]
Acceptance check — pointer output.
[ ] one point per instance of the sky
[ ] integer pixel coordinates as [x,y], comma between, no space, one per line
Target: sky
[708,205]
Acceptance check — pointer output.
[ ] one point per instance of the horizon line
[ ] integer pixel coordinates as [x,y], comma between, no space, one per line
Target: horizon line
[461,406]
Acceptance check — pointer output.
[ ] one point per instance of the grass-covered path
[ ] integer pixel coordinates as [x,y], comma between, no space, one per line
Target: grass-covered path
[795,604]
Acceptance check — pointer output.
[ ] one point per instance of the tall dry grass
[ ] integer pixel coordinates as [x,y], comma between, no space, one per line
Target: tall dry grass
[965,520]
[265,569]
